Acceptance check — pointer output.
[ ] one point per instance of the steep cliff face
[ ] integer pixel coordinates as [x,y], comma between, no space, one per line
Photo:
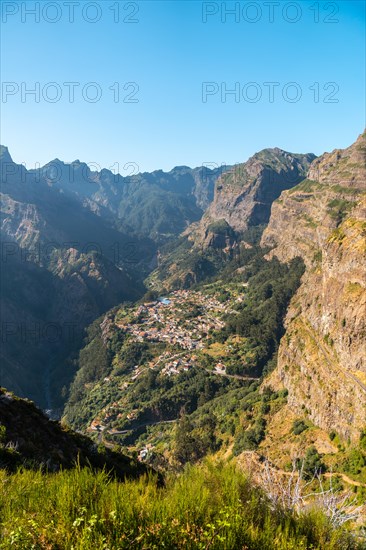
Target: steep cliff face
[244,195]
[322,357]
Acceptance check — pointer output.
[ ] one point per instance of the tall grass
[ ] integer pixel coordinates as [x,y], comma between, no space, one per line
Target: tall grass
[209,506]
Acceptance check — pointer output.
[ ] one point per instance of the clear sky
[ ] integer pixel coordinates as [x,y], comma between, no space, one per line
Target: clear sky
[182,57]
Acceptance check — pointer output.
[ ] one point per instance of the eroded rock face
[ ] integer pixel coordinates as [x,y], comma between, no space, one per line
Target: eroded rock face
[244,195]
[322,357]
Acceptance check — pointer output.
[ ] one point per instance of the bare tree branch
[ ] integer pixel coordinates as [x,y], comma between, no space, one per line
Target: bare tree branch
[291,494]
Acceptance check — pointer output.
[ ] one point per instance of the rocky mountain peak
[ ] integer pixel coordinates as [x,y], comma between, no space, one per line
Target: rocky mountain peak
[4,154]
[244,195]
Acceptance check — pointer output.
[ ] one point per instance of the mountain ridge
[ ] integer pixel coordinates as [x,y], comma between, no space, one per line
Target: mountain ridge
[190,189]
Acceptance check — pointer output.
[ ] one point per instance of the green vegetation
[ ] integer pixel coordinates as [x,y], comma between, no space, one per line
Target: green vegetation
[207,506]
[318,256]
[339,208]
[122,385]
[259,317]
[299,426]
[220,227]
[355,191]
[353,460]
[248,440]
[190,444]
[28,439]
[183,266]
[156,213]
[95,357]
[312,463]
[310,221]
[306,186]
[337,235]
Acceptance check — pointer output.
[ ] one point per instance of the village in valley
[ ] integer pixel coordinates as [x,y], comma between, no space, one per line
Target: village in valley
[180,326]
[184,319]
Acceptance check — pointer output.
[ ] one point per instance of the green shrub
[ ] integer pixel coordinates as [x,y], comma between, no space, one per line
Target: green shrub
[2,434]
[332,435]
[354,462]
[299,426]
[312,463]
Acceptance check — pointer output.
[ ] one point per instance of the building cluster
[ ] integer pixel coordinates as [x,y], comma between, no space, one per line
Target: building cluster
[184,320]
[177,365]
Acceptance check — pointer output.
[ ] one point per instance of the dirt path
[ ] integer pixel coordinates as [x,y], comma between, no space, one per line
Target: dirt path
[328,475]
[236,376]
[345,478]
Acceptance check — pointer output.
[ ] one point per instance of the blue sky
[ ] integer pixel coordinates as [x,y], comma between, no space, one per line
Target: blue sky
[171,53]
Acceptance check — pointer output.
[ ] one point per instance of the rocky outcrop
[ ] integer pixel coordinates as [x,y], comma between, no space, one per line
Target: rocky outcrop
[244,195]
[322,357]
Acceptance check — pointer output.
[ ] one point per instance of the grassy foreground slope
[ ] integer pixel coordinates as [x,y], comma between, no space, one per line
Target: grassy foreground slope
[208,506]
[59,491]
